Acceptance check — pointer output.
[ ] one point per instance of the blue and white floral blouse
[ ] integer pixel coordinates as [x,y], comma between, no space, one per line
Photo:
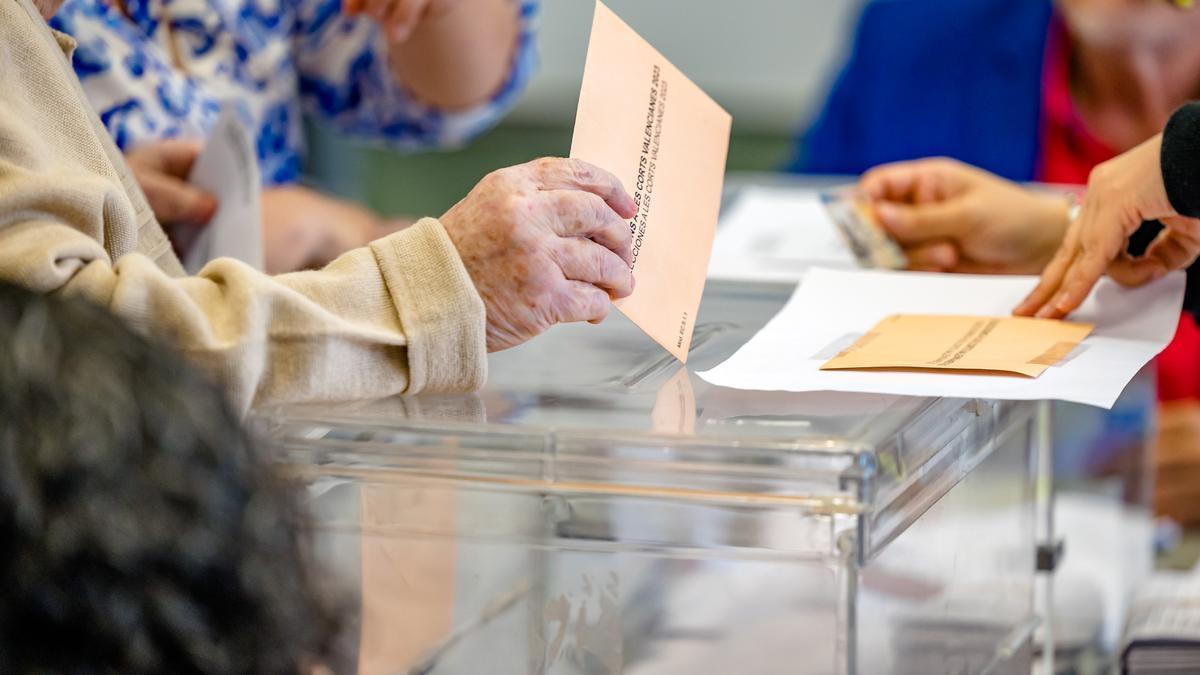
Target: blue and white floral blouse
[270,60]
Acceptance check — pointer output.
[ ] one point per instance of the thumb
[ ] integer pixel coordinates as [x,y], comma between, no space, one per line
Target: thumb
[1134,272]
[1184,226]
[919,223]
[1176,247]
[1173,249]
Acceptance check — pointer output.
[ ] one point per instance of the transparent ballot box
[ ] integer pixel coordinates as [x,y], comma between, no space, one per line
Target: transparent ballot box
[599,509]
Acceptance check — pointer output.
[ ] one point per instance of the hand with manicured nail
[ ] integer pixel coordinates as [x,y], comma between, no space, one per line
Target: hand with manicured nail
[1122,193]
[399,18]
[545,242]
[952,217]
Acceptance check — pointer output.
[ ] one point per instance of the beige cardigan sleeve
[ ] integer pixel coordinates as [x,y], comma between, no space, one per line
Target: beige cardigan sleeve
[398,316]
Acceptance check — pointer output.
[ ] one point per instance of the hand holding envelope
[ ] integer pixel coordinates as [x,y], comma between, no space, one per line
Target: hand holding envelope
[666,140]
[545,243]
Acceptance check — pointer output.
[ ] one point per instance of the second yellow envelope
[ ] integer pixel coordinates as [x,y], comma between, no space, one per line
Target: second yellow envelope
[1001,345]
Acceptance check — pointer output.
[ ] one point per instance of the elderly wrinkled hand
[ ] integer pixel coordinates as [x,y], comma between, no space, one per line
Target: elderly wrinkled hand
[399,18]
[952,217]
[1122,194]
[545,242]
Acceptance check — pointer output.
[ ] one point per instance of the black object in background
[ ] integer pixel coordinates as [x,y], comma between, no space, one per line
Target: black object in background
[1137,247]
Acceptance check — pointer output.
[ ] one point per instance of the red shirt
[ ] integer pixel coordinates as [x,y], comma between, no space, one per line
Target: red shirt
[1068,151]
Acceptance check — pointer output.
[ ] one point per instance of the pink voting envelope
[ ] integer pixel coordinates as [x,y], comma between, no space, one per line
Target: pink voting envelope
[641,119]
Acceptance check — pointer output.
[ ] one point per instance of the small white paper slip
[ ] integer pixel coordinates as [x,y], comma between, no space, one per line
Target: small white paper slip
[228,168]
[832,308]
[775,234]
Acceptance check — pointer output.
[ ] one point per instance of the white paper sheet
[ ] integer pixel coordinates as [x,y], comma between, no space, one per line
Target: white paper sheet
[228,168]
[831,308]
[774,234]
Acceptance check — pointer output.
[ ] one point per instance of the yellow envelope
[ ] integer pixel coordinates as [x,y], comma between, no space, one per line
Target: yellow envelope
[641,119]
[999,345]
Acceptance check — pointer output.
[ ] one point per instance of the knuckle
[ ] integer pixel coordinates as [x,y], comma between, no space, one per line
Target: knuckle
[1091,257]
[496,181]
[594,300]
[904,225]
[599,311]
[585,300]
[511,209]
[940,166]
[511,203]
[1189,227]
[608,265]
[594,202]
[1101,173]
[622,240]
[600,212]
[575,203]
[582,172]
[572,305]
[543,298]
[556,170]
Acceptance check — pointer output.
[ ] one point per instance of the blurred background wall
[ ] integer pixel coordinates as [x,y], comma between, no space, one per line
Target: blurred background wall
[769,62]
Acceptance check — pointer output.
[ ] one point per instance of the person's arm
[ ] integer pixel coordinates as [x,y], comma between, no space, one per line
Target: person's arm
[952,217]
[1180,163]
[400,316]
[458,54]
[304,229]
[452,78]
[544,243]
[530,246]
[1123,194]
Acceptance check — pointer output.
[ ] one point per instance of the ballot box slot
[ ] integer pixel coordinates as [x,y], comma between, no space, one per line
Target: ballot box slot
[891,470]
[916,470]
[748,291]
[906,491]
[702,337]
[923,488]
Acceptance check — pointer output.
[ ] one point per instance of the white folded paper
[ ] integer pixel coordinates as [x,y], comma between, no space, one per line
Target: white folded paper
[228,168]
[832,308]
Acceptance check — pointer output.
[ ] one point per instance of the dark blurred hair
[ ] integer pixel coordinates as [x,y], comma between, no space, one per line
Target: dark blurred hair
[139,530]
